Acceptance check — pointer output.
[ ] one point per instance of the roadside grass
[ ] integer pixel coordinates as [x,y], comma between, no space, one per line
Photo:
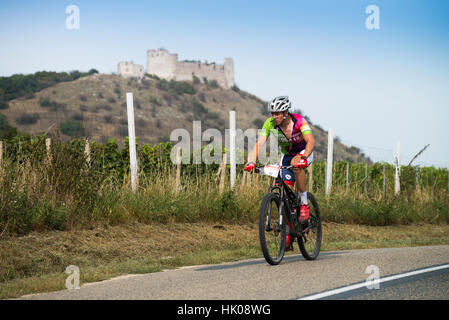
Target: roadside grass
[36,262]
[58,190]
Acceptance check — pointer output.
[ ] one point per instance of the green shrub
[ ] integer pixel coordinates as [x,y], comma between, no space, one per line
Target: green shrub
[27,118]
[108,118]
[44,102]
[198,107]
[102,106]
[181,87]
[196,80]
[46,215]
[75,74]
[155,101]
[153,76]
[214,84]
[54,192]
[72,128]
[92,71]
[53,105]
[162,84]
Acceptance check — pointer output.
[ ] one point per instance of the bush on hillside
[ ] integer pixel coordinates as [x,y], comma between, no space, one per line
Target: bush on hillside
[53,105]
[72,128]
[181,87]
[28,118]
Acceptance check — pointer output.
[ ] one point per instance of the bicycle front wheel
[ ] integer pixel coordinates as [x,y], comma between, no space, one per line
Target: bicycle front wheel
[310,241]
[271,229]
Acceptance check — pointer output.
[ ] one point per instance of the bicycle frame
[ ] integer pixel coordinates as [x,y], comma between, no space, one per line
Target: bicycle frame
[286,195]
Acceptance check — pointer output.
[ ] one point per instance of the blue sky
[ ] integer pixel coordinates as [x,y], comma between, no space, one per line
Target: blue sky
[372,87]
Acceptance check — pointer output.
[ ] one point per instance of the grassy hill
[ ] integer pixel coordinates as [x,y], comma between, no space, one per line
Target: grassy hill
[95,106]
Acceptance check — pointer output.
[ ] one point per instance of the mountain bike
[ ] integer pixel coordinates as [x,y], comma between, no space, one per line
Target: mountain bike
[278,217]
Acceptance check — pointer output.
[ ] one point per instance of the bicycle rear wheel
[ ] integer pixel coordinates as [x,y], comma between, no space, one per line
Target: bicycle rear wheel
[271,230]
[310,241]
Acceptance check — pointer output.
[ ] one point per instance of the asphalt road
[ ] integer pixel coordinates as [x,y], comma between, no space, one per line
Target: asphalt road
[294,278]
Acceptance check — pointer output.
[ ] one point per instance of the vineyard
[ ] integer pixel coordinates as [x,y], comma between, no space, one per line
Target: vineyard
[59,186]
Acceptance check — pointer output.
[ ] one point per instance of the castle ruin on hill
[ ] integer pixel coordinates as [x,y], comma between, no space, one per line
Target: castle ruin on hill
[128,69]
[165,65]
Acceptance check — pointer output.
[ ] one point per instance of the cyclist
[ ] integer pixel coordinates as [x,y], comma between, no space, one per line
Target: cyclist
[296,142]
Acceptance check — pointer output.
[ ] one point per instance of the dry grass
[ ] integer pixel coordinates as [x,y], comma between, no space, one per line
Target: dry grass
[342,236]
[36,262]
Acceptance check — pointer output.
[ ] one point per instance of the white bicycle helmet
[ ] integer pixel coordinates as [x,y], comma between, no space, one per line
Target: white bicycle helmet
[279,104]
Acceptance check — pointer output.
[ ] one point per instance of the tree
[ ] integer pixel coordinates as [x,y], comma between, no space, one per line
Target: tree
[92,71]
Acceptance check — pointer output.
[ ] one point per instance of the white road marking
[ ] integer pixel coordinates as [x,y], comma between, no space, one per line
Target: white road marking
[373,282]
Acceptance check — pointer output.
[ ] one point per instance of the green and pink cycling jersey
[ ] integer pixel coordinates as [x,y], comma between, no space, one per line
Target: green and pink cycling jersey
[296,143]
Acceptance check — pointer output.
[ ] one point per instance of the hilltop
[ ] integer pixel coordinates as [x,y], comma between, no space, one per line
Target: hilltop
[95,106]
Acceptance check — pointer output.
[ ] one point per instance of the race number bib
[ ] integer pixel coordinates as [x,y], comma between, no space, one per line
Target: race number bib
[272,170]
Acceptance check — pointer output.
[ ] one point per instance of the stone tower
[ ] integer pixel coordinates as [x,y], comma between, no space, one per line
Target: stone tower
[162,63]
[229,72]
